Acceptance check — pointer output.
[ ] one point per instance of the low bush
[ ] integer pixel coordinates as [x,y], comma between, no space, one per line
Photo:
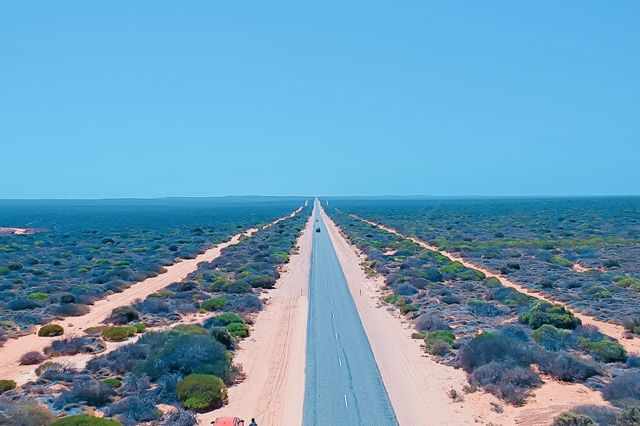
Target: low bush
[45,366]
[605,349]
[118,333]
[262,281]
[492,282]
[431,321]
[632,324]
[50,330]
[238,330]
[87,392]
[485,309]
[135,409]
[6,385]
[489,347]
[600,292]
[552,338]
[571,418]
[438,342]
[623,387]
[22,412]
[541,313]
[630,416]
[180,418]
[175,352]
[70,310]
[38,296]
[566,367]
[201,392]
[190,329]
[74,345]
[32,358]
[511,384]
[85,420]
[228,318]
[214,304]
[112,383]
[600,414]
[123,315]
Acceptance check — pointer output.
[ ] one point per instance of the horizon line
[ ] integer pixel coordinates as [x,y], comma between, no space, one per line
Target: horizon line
[414,196]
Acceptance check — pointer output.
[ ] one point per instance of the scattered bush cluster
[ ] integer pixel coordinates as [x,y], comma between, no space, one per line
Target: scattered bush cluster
[445,295]
[86,250]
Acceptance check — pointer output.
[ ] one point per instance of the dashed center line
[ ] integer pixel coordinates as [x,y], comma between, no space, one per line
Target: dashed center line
[340,361]
[346,404]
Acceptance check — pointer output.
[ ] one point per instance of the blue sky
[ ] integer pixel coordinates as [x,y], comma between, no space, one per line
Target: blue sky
[158,98]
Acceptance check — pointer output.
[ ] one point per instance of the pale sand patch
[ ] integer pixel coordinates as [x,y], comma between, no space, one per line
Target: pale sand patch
[579,268]
[273,357]
[16,231]
[13,349]
[614,330]
[417,385]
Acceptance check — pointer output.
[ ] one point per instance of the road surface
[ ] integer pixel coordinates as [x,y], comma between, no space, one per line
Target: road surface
[343,383]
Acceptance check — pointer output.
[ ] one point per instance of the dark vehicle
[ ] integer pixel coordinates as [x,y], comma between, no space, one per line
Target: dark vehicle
[317,229]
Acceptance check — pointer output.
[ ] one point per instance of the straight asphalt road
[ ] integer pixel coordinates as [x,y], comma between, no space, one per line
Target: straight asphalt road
[343,383]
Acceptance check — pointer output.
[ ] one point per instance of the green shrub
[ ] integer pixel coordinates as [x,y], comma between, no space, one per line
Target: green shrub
[630,415]
[559,260]
[46,366]
[570,418]
[190,329]
[262,281]
[140,327]
[118,333]
[541,313]
[409,307]
[50,330]
[6,385]
[228,318]
[201,392]
[492,282]
[551,337]
[438,342]
[392,298]
[282,256]
[214,304]
[85,420]
[605,349]
[123,315]
[112,383]
[628,282]
[38,296]
[238,330]
[600,292]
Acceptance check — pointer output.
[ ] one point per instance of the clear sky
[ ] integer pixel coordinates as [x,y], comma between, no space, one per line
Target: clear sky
[195,98]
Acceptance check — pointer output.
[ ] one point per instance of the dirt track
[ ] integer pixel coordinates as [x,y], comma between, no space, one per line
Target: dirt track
[613,330]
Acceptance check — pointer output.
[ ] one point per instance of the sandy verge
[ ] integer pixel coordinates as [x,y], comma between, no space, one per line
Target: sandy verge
[417,385]
[614,330]
[273,357]
[13,349]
